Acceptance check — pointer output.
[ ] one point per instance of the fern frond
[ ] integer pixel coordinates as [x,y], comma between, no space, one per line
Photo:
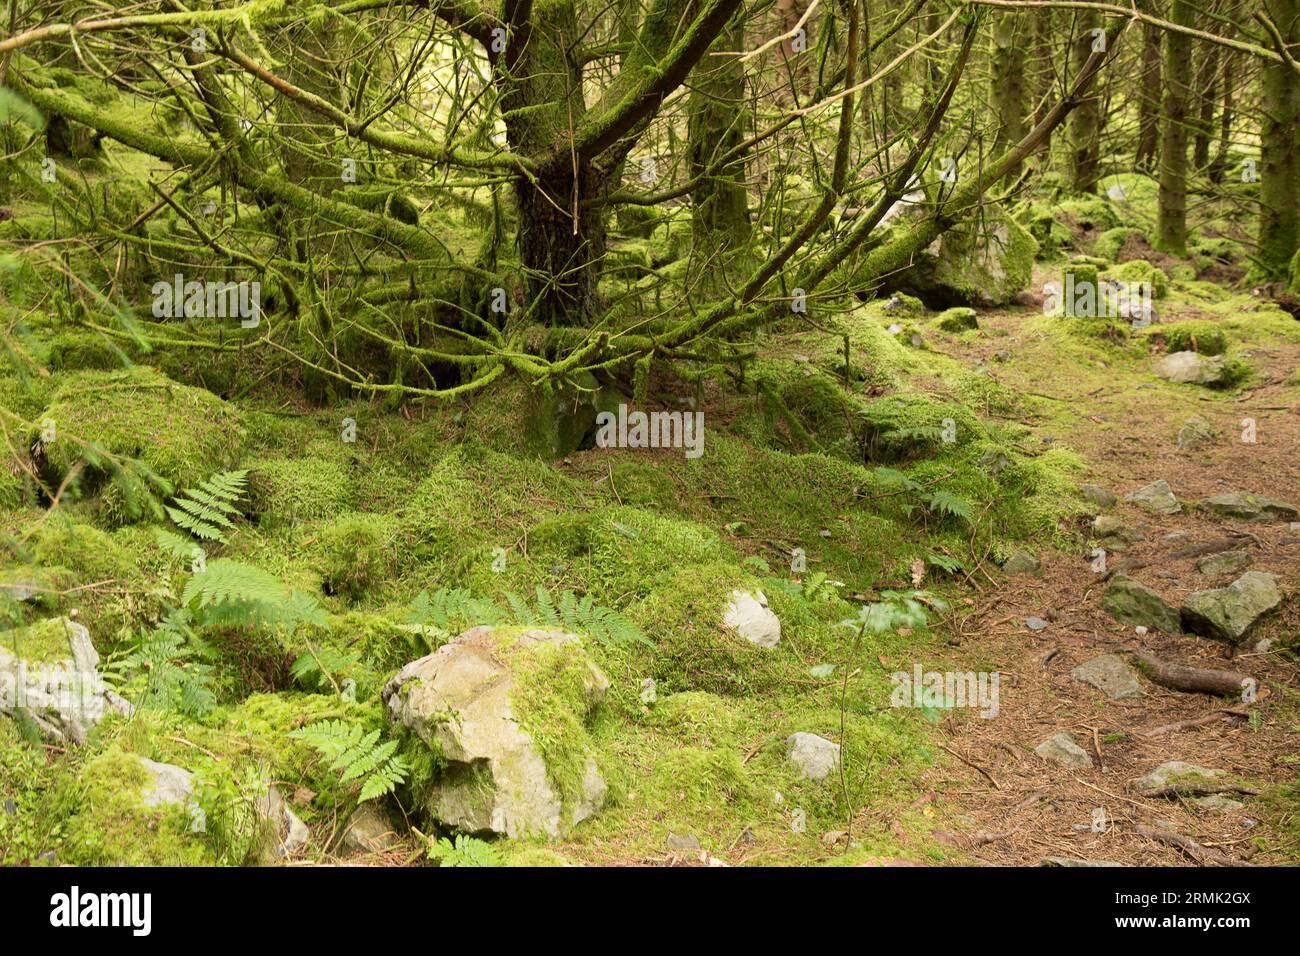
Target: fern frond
[356,755]
[945,503]
[205,511]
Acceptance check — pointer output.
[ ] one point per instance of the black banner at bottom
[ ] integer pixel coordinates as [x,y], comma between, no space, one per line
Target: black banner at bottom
[343,905]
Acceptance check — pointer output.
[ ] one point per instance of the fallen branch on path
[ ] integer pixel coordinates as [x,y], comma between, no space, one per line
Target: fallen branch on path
[1196,680]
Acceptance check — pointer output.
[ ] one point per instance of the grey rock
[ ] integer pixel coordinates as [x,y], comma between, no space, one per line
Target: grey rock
[367,831]
[1063,749]
[1111,675]
[458,700]
[1022,562]
[1174,773]
[63,695]
[1157,498]
[1248,507]
[1098,495]
[1035,624]
[814,756]
[291,834]
[683,843]
[1191,368]
[1228,614]
[1114,533]
[1217,803]
[750,617]
[1225,562]
[1196,433]
[1132,602]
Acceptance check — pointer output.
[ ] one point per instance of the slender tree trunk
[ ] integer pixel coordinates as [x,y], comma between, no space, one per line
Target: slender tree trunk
[1149,97]
[1171,216]
[1207,79]
[1085,123]
[717,121]
[1010,36]
[1279,186]
[1220,163]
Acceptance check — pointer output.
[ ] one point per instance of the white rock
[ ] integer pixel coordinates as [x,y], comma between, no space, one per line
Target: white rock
[749,616]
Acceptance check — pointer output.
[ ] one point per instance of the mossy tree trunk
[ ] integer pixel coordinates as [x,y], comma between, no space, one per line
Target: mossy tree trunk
[1010,36]
[1219,165]
[1171,215]
[1207,93]
[1148,96]
[1085,122]
[717,124]
[560,243]
[1279,186]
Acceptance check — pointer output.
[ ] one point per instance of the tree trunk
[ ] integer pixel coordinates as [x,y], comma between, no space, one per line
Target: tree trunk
[1207,79]
[1171,216]
[1008,86]
[560,244]
[1085,125]
[1279,224]
[1149,98]
[716,125]
[1219,166]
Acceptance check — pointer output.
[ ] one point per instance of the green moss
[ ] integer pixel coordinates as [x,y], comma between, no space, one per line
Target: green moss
[113,827]
[356,555]
[643,484]
[66,542]
[47,641]
[1141,271]
[1108,245]
[288,490]
[183,434]
[550,699]
[958,319]
[1087,212]
[1191,336]
[696,718]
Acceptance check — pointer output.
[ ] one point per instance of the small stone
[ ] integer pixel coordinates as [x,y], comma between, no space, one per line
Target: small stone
[649,691]
[1035,623]
[1097,495]
[1063,749]
[747,836]
[367,831]
[1114,532]
[815,756]
[10,807]
[1228,614]
[1223,563]
[1196,433]
[1191,368]
[1131,602]
[683,843]
[1174,773]
[1217,803]
[1021,562]
[1002,355]
[1068,861]
[749,616]
[1156,498]
[1111,675]
[1248,507]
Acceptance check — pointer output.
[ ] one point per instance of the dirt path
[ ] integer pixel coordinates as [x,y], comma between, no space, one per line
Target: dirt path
[1008,805]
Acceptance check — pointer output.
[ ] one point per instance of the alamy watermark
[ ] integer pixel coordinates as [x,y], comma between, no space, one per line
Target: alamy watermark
[946,689]
[209,300]
[662,429]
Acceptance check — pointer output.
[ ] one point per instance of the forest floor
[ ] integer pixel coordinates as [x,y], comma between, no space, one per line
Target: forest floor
[1016,808]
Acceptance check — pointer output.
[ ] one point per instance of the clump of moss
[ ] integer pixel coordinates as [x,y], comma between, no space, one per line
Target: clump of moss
[696,718]
[288,490]
[957,319]
[182,434]
[1087,212]
[62,541]
[47,641]
[1191,336]
[114,827]
[355,555]
[643,484]
[1141,271]
[1108,245]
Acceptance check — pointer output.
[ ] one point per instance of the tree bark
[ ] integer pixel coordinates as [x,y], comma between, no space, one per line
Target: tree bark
[1171,215]
[1008,81]
[1149,97]
[1085,123]
[1279,223]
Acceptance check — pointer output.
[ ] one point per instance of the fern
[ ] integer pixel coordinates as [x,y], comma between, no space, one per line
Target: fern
[205,511]
[892,480]
[233,593]
[318,668]
[603,625]
[466,851]
[946,504]
[356,755]
[170,663]
[449,609]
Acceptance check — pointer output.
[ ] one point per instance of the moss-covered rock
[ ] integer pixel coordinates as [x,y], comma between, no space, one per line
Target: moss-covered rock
[986,262]
[957,319]
[357,555]
[180,433]
[288,490]
[1204,338]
